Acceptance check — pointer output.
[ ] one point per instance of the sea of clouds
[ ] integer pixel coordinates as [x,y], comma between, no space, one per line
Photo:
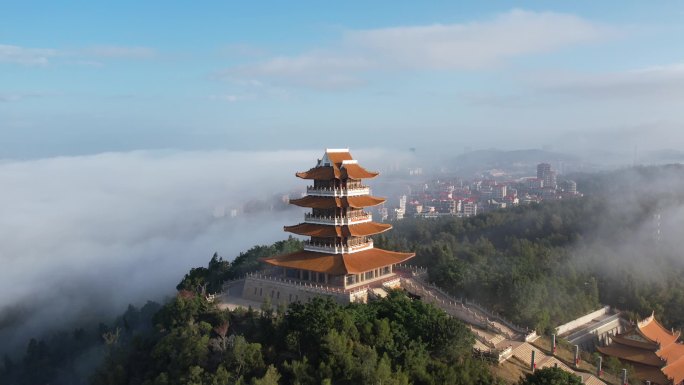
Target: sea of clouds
[82,237]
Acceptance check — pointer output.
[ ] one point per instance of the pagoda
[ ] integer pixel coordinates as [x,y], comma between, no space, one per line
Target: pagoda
[653,351]
[338,259]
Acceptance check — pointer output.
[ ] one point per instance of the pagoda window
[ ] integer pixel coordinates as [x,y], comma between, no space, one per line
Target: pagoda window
[305,275]
[323,212]
[369,275]
[354,213]
[353,183]
[386,270]
[323,184]
[351,279]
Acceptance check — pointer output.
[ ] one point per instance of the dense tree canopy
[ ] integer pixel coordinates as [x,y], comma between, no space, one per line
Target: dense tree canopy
[390,341]
[544,264]
[540,265]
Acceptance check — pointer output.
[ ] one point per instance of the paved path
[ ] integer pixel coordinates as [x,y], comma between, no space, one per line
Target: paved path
[493,334]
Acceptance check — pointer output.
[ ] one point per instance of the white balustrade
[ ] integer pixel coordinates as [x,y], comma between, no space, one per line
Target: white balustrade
[338,221]
[338,191]
[336,248]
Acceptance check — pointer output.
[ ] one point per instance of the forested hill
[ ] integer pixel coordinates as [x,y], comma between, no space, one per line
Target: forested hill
[544,264]
[539,265]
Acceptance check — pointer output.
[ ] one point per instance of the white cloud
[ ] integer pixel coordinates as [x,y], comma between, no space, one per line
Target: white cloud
[478,44]
[319,70]
[661,82]
[474,45]
[90,234]
[25,56]
[87,235]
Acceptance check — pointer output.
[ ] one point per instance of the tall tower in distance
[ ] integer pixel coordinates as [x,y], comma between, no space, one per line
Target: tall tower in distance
[545,173]
[339,258]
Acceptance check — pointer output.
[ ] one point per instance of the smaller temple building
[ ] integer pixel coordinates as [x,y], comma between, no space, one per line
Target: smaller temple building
[653,351]
[339,258]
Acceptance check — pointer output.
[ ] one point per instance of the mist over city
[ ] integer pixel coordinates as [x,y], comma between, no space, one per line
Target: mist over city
[511,171]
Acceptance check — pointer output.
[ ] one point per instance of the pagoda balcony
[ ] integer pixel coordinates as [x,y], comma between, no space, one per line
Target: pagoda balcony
[337,248]
[338,191]
[337,221]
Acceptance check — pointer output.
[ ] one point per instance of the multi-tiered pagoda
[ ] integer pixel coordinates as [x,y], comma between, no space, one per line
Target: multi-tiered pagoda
[339,257]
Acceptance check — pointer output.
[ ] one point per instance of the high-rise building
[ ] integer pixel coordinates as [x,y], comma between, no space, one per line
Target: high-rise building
[338,258]
[570,187]
[545,173]
[542,170]
[500,191]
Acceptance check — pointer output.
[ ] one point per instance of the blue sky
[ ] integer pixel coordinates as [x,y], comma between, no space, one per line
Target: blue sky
[83,77]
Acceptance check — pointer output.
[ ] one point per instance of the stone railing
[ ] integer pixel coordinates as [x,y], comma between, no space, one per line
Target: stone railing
[309,286]
[417,272]
[338,221]
[338,192]
[448,304]
[528,334]
[473,312]
[313,287]
[392,283]
[336,248]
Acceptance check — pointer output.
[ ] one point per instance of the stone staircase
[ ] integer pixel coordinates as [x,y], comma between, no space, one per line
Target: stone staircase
[467,312]
[523,352]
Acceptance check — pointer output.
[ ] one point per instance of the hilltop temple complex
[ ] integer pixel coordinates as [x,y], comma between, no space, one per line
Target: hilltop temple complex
[652,350]
[339,258]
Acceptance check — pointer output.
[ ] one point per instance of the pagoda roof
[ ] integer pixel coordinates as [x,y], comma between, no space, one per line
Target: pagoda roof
[629,353]
[339,264]
[653,330]
[318,202]
[650,344]
[318,230]
[337,164]
[634,339]
[671,353]
[675,371]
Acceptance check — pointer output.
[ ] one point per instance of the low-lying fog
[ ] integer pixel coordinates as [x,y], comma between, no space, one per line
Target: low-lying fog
[82,237]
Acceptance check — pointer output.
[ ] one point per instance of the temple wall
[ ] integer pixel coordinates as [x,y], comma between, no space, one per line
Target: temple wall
[278,293]
[574,324]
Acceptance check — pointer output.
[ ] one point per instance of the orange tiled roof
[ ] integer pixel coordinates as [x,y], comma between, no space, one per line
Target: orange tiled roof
[320,173]
[351,171]
[317,202]
[628,353]
[621,339]
[671,352]
[355,171]
[653,330]
[668,359]
[675,371]
[316,230]
[339,264]
[337,157]
[338,169]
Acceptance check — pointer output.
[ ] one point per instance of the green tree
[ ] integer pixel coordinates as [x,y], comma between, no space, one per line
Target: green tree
[551,376]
